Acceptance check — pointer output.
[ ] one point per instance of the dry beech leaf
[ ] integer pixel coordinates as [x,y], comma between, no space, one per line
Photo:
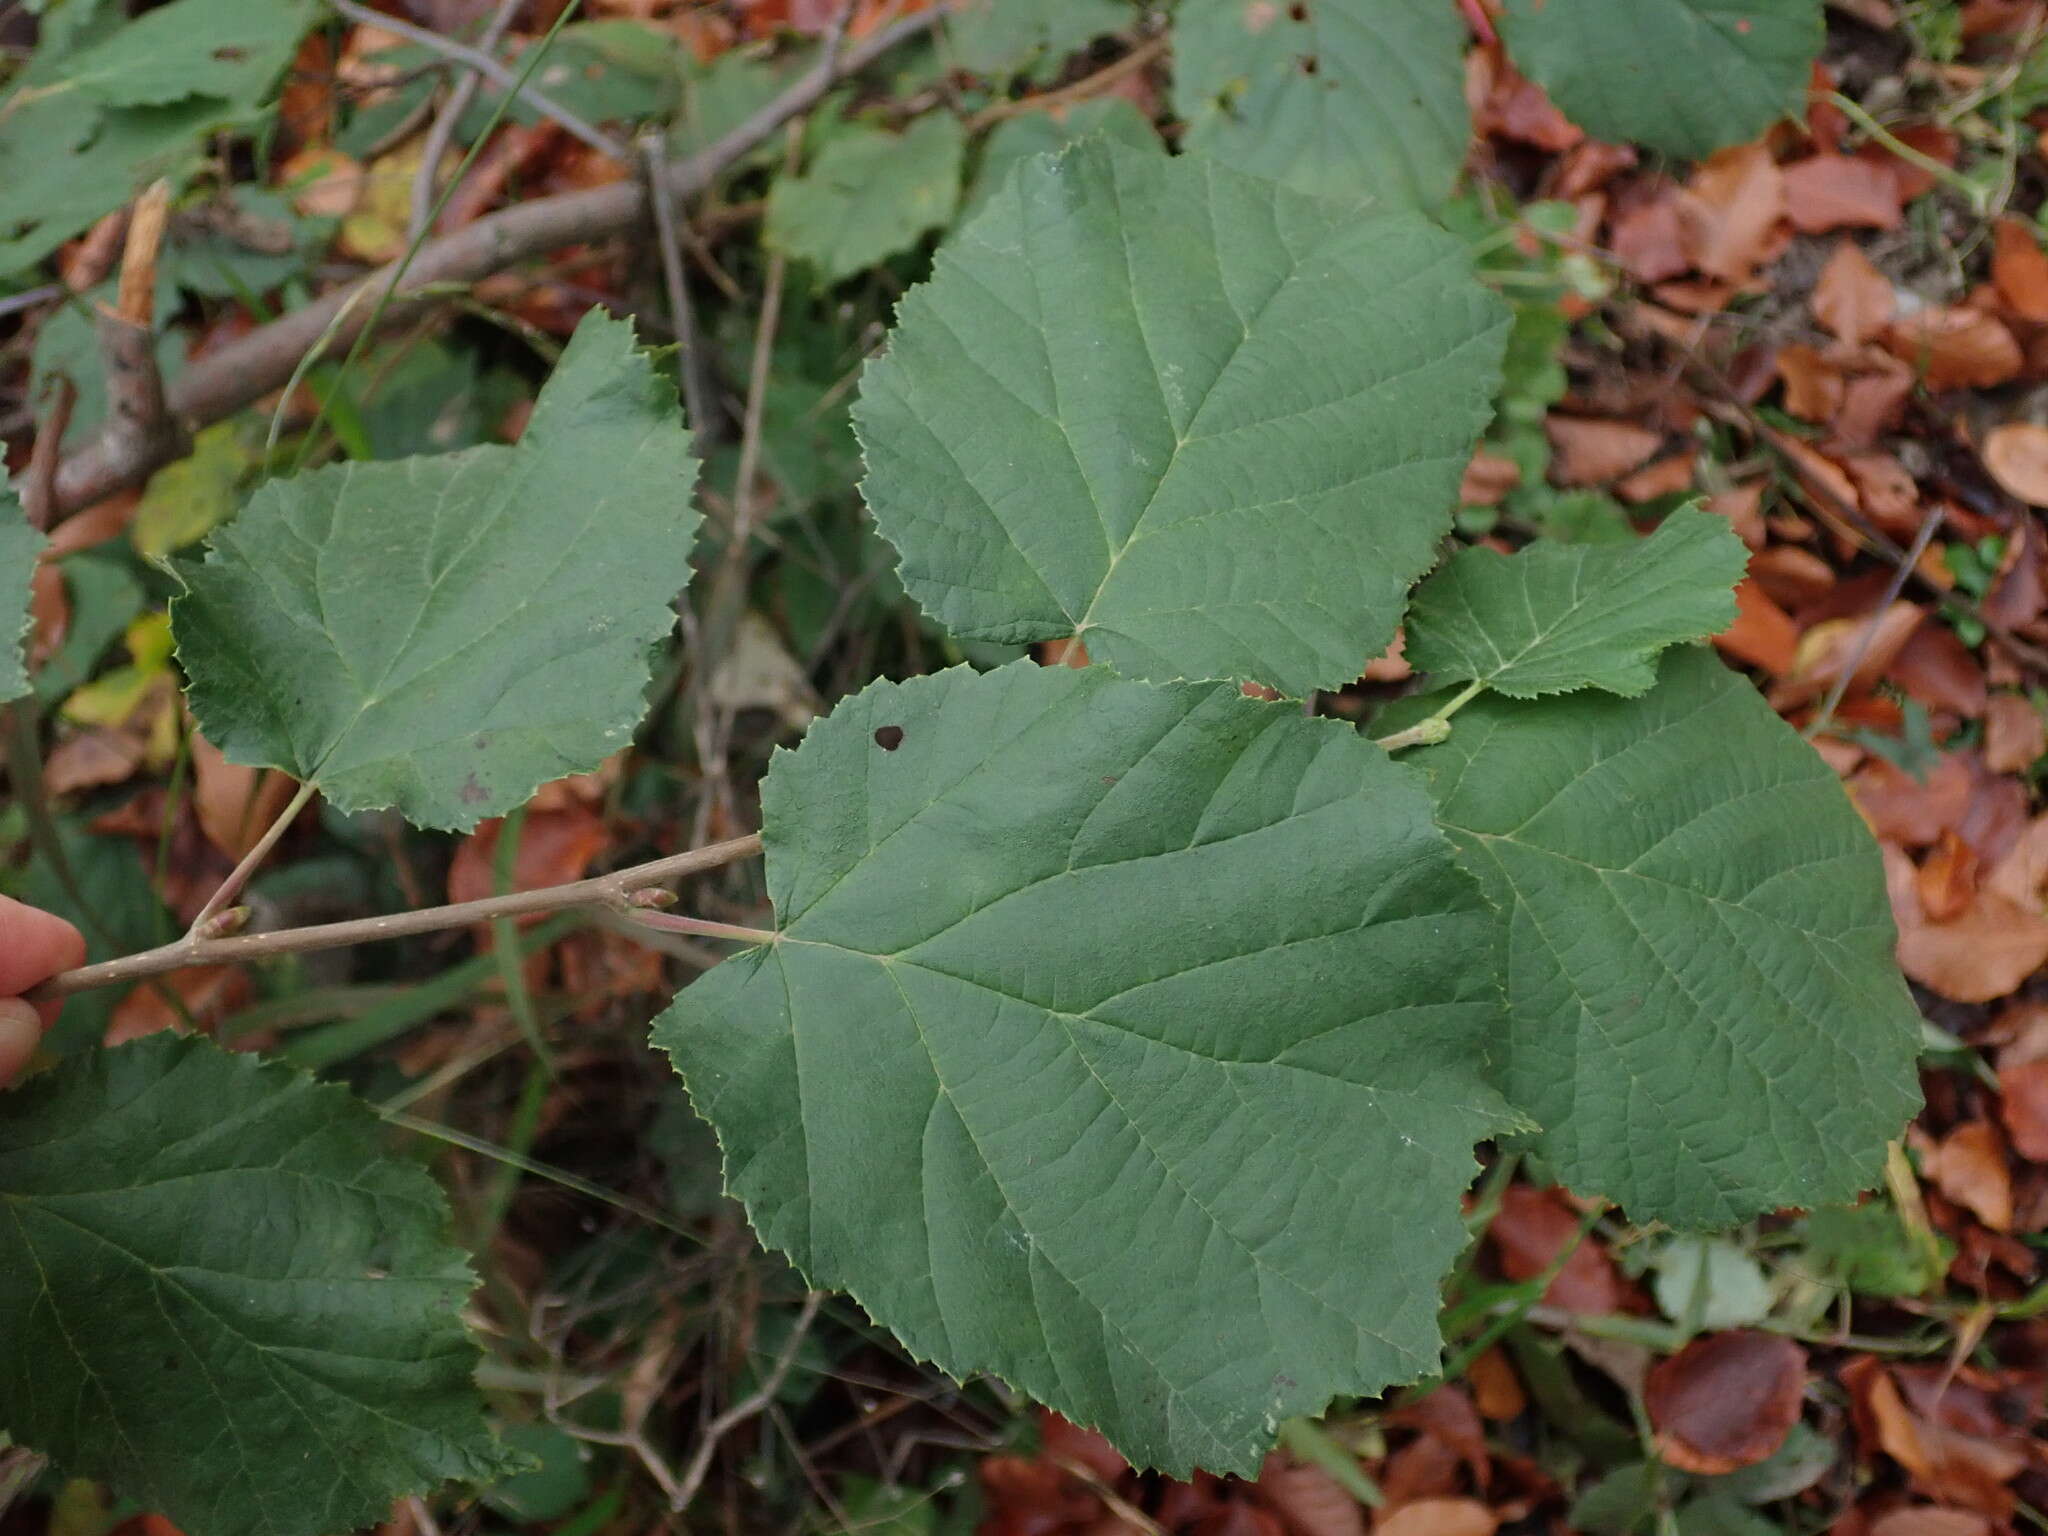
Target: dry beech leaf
[1308,1500]
[235,805]
[1439,1517]
[1852,298]
[2023,1106]
[2016,454]
[1913,811]
[1532,1228]
[1813,385]
[204,993]
[2015,736]
[1929,1520]
[2019,269]
[1947,883]
[1956,348]
[1726,1400]
[1669,476]
[1488,477]
[1870,643]
[1942,673]
[1791,575]
[1968,1166]
[1649,240]
[1826,192]
[1763,634]
[1743,507]
[1730,212]
[1593,451]
[1978,957]
[1496,1389]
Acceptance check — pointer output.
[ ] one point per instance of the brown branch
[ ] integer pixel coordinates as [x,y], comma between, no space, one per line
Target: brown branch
[139,421]
[613,892]
[39,486]
[442,133]
[1067,95]
[242,372]
[481,63]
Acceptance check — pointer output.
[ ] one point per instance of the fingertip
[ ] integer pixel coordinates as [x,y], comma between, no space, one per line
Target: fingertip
[34,946]
[21,1031]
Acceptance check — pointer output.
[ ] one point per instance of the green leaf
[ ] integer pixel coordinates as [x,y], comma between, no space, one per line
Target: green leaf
[1708,1283]
[869,195]
[1211,426]
[1121,1040]
[1017,139]
[1705,1014]
[1005,37]
[1347,98]
[229,49]
[108,104]
[1610,67]
[1559,617]
[190,497]
[20,548]
[220,1297]
[444,634]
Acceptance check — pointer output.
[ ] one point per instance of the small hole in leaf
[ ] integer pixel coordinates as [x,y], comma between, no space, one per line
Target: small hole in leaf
[889,737]
[1309,65]
[1297,12]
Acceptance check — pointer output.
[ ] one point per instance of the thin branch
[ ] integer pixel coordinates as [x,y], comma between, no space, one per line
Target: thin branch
[747,1407]
[682,313]
[238,877]
[611,891]
[442,134]
[243,371]
[39,487]
[137,414]
[1081,90]
[483,64]
[1867,637]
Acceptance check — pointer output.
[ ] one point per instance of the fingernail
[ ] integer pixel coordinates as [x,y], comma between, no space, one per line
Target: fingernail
[21,1030]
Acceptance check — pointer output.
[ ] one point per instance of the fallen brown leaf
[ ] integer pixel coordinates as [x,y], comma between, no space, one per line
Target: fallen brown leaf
[1496,1389]
[1852,298]
[1955,348]
[1488,477]
[1670,476]
[235,805]
[2016,454]
[1792,576]
[2019,268]
[1936,668]
[1968,1166]
[1532,1228]
[1947,882]
[2015,736]
[2023,1106]
[1593,451]
[1649,239]
[1763,634]
[1743,507]
[1726,1400]
[1813,385]
[1731,211]
[1869,643]
[1929,1520]
[1308,1500]
[1825,192]
[205,993]
[1438,1517]
[1975,958]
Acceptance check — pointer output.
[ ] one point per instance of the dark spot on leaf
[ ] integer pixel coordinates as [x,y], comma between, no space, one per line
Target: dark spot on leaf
[1309,64]
[1297,12]
[230,55]
[1109,778]
[889,737]
[172,1362]
[473,793]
